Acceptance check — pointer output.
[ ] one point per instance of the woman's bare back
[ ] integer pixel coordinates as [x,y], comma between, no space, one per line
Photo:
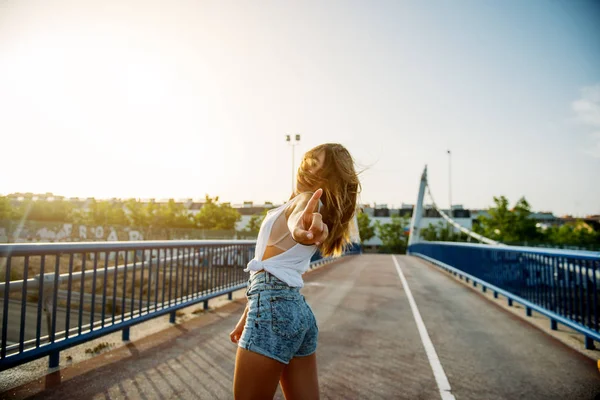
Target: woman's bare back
[280,237]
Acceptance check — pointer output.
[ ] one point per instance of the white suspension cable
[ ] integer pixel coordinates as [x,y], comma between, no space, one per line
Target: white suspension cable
[459,227]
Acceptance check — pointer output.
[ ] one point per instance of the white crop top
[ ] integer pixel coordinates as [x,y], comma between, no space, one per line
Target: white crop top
[280,235]
[289,265]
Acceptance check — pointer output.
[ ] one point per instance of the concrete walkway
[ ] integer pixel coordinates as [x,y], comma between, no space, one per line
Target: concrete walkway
[369,347]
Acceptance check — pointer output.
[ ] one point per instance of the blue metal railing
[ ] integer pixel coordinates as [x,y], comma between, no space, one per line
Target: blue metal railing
[560,284]
[58,295]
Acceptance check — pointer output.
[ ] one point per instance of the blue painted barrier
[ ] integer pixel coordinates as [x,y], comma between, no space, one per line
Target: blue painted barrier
[71,293]
[560,284]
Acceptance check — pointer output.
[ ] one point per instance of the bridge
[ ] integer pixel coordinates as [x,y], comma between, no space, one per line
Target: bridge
[449,320]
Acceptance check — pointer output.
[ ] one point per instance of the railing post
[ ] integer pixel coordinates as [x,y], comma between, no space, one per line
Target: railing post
[172,316]
[484,289]
[230,296]
[510,302]
[47,301]
[589,343]
[495,294]
[528,311]
[553,324]
[206,304]
[53,359]
[125,334]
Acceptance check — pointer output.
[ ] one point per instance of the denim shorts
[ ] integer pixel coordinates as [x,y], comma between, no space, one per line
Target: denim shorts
[280,324]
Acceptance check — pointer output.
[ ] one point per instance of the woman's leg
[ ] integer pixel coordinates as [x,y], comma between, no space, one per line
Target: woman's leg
[299,379]
[256,376]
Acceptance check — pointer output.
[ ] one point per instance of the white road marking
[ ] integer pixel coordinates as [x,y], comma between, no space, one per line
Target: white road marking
[434,361]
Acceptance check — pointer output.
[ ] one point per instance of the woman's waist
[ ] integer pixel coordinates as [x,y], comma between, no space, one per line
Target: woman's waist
[264,280]
[289,264]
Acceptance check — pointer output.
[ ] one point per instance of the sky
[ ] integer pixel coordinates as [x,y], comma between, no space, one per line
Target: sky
[153,99]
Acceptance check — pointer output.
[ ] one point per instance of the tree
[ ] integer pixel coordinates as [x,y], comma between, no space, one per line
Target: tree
[256,221]
[216,216]
[6,209]
[172,215]
[137,214]
[499,224]
[515,226]
[576,234]
[365,229]
[442,232]
[508,225]
[439,232]
[101,212]
[45,211]
[524,228]
[393,235]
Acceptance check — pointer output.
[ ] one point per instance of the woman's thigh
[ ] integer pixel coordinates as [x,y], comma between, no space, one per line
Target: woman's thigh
[255,376]
[299,380]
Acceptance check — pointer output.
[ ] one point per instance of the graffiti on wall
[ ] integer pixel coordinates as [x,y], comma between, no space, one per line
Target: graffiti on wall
[36,231]
[39,232]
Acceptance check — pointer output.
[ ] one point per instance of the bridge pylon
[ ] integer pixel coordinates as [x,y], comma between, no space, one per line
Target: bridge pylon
[417,214]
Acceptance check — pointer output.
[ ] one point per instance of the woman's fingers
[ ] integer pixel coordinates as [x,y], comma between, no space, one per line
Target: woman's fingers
[235,334]
[311,229]
[313,203]
[309,225]
[302,236]
[316,226]
[311,206]
[323,236]
[316,234]
[312,233]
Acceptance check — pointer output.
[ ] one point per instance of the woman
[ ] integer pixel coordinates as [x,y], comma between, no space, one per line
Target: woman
[277,334]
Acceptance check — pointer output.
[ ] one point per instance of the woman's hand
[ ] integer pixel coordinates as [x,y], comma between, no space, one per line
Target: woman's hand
[308,226]
[237,332]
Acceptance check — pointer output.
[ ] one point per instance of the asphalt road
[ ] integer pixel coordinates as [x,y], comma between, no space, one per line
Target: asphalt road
[369,346]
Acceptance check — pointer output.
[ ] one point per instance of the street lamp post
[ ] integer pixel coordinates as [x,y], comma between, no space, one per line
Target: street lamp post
[451,230]
[293,143]
[450,181]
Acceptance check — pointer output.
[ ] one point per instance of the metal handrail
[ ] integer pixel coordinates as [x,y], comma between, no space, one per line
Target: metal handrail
[579,254]
[49,278]
[165,277]
[562,285]
[155,283]
[31,249]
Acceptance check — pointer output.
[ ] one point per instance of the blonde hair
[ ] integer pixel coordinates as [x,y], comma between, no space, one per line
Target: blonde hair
[339,181]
